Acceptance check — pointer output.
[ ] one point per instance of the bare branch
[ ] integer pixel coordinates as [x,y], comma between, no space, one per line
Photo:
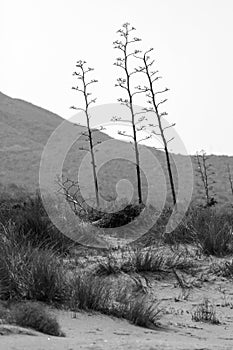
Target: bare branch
[137,92]
[145,138]
[155,79]
[90,102]
[162,91]
[170,126]
[135,52]
[123,133]
[161,102]
[122,86]
[205,174]
[77,89]
[77,109]
[153,73]
[162,114]
[140,128]
[156,133]
[91,82]
[151,63]
[153,125]
[147,110]
[170,139]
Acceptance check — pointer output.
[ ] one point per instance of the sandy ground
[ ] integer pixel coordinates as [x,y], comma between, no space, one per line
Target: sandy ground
[178,331]
[100,332]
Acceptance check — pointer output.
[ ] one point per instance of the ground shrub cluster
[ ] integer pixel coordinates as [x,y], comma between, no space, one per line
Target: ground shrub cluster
[35,263]
[32,224]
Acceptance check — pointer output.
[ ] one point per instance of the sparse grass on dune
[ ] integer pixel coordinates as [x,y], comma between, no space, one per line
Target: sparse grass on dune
[143,312]
[88,292]
[33,268]
[147,260]
[131,260]
[29,273]
[223,268]
[32,223]
[205,312]
[210,229]
[228,269]
[117,299]
[138,260]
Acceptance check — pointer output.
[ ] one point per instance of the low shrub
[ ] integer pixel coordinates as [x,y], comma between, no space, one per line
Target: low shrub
[30,273]
[4,313]
[34,315]
[11,202]
[34,225]
[120,217]
[211,230]
[114,214]
[32,222]
[208,228]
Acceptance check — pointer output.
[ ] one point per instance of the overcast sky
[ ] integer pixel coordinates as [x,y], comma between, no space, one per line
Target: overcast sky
[42,39]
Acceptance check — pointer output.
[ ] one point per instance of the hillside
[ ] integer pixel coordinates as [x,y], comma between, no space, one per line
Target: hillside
[25,129]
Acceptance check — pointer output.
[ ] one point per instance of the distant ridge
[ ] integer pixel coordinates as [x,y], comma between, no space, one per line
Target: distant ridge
[26,128]
[24,131]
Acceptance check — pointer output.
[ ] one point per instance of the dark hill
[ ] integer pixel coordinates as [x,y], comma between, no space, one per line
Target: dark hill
[25,129]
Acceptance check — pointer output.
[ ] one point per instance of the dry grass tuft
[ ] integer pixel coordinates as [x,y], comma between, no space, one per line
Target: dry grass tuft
[205,312]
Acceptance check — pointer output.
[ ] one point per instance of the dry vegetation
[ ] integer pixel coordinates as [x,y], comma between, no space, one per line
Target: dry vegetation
[40,265]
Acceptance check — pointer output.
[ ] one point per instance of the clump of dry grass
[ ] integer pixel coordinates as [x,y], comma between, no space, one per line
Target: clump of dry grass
[227,269]
[210,229]
[131,261]
[29,273]
[224,268]
[138,260]
[147,260]
[118,299]
[32,223]
[205,312]
[88,292]
[34,315]
[143,312]
[4,313]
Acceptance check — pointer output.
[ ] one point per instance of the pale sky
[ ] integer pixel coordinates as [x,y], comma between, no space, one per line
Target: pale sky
[42,39]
